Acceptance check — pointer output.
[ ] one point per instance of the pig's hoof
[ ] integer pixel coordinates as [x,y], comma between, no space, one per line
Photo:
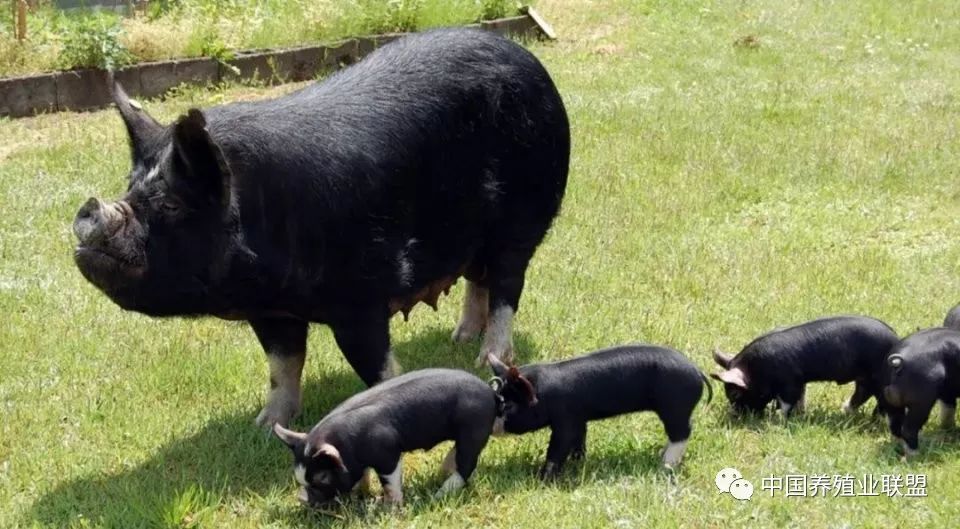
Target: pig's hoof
[505,356]
[277,411]
[549,471]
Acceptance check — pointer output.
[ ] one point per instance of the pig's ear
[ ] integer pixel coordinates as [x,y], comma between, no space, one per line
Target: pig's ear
[499,368]
[289,437]
[734,376]
[144,131]
[722,359]
[199,158]
[524,385]
[326,451]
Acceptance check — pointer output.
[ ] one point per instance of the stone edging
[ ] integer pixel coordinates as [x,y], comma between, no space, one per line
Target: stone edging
[87,89]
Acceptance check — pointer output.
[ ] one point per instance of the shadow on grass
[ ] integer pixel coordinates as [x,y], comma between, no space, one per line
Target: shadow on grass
[863,420]
[937,444]
[229,457]
[515,471]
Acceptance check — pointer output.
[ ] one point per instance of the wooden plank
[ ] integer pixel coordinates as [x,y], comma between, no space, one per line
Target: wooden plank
[21,19]
[541,22]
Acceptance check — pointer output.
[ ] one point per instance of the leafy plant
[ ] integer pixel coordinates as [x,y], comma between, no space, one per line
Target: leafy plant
[390,16]
[491,9]
[93,42]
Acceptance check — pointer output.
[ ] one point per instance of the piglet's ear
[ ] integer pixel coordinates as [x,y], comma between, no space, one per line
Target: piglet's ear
[734,376]
[514,376]
[722,359]
[328,451]
[199,158]
[289,437]
[499,368]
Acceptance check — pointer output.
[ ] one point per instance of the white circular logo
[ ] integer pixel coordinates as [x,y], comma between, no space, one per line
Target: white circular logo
[725,477]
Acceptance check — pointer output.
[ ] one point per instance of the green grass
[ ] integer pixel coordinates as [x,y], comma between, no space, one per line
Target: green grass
[717,191]
[188,28]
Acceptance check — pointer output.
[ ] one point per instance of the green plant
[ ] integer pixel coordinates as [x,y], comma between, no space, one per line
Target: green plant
[390,16]
[491,9]
[93,42]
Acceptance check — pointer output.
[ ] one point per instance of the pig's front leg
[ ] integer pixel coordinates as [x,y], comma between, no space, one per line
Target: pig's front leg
[915,418]
[563,438]
[895,422]
[948,412]
[792,398]
[364,340]
[285,342]
[392,483]
[580,444]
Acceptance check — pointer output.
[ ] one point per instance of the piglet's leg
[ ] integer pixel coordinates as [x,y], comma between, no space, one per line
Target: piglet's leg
[285,342]
[861,392]
[562,440]
[948,412]
[393,485]
[677,426]
[791,398]
[580,444]
[461,461]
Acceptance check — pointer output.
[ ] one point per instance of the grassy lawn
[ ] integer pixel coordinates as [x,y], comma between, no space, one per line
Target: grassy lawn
[737,166]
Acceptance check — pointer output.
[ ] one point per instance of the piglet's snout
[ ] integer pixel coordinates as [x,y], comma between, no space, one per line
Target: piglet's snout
[96,221]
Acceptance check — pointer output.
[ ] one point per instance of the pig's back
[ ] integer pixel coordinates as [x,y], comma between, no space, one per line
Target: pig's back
[840,349]
[424,406]
[625,378]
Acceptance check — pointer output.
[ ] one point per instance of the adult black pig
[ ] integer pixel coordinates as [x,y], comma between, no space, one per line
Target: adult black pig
[439,155]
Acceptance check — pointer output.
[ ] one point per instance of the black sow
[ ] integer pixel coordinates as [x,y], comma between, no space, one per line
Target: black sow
[440,155]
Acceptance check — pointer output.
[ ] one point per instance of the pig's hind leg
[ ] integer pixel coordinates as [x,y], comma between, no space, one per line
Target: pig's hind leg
[476,307]
[506,268]
[676,423]
[461,460]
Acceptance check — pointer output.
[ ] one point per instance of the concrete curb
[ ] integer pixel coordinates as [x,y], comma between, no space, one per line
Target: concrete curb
[74,90]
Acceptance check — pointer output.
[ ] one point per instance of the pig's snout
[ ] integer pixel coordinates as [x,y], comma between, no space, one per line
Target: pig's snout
[96,222]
